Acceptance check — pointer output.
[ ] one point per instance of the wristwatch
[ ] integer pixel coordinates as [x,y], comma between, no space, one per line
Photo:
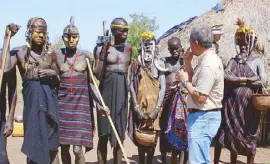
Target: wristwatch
[185,83]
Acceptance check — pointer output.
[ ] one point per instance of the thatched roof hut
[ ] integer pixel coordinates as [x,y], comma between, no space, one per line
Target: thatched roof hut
[255,13]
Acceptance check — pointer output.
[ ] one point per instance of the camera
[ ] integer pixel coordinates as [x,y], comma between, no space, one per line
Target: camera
[106,38]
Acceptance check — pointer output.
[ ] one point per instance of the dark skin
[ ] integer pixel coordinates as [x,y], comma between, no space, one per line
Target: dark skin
[147,61]
[117,58]
[114,59]
[45,69]
[147,151]
[242,57]
[12,85]
[174,64]
[79,68]
[248,82]
[7,121]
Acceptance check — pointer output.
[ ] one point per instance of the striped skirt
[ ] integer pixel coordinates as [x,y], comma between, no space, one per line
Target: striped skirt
[76,115]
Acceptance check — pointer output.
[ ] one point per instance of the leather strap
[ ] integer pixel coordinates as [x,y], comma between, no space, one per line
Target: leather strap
[194,110]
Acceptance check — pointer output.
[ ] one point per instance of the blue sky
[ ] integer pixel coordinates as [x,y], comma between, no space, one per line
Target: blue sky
[89,15]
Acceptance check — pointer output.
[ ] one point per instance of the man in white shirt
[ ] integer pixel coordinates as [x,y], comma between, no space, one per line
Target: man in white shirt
[205,85]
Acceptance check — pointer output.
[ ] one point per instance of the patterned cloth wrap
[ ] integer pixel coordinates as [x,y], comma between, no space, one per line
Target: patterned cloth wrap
[176,132]
[239,130]
[76,112]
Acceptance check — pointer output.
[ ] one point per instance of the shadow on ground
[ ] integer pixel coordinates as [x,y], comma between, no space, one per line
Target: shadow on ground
[157,160]
[135,160]
[238,162]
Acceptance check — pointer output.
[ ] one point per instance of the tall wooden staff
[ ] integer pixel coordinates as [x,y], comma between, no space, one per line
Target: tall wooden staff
[104,107]
[11,28]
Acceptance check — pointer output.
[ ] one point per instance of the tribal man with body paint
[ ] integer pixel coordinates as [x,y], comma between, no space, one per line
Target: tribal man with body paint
[75,97]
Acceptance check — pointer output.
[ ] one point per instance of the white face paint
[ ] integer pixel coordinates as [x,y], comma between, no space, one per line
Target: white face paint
[148,50]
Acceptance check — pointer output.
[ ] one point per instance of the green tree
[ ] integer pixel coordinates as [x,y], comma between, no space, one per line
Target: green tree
[139,23]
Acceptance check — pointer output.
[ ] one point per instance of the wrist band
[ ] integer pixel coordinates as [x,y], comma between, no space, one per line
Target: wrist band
[243,79]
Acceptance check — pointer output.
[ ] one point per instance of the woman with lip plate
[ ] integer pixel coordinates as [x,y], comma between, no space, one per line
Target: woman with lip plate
[245,74]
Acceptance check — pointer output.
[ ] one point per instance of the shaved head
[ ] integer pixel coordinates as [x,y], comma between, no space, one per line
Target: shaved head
[119,21]
[174,41]
[175,47]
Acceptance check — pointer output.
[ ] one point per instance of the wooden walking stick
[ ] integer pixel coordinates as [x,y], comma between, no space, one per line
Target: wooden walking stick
[14,28]
[4,57]
[109,117]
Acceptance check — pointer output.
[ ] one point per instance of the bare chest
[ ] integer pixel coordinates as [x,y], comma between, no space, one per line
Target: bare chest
[76,63]
[173,67]
[30,63]
[33,60]
[117,57]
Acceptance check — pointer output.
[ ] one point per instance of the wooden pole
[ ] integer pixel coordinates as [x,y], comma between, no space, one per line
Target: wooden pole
[4,57]
[109,117]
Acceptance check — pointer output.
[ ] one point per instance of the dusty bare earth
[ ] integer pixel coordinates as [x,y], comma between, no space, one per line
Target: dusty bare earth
[16,157]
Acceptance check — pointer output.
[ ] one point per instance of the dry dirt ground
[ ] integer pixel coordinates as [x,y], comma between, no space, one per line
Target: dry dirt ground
[16,157]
